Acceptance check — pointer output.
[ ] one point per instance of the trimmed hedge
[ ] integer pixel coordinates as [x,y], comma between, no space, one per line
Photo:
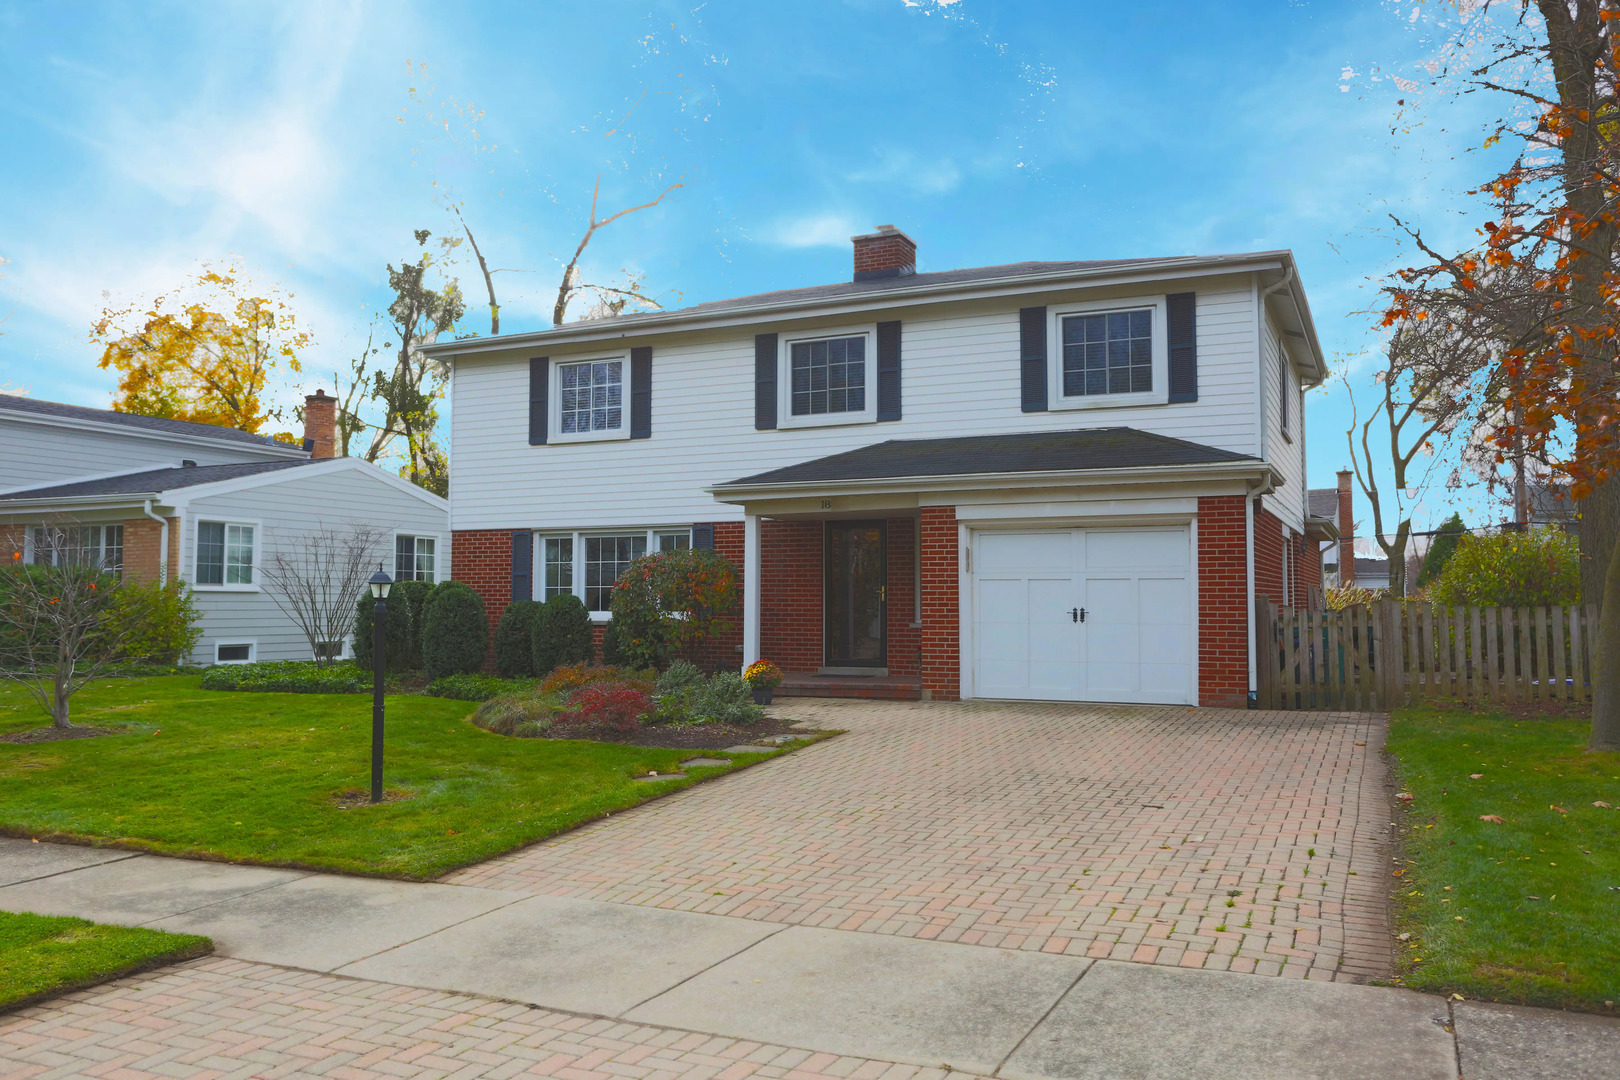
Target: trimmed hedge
[401,631]
[562,633]
[514,639]
[455,634]
[287,677]
[413,596]
[477,687]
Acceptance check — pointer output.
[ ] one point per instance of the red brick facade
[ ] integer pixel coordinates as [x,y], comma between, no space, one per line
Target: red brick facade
[941,618]
[790,596]
[1268,555]
[483,559]
[1223,609]
[142,546]
[905,638]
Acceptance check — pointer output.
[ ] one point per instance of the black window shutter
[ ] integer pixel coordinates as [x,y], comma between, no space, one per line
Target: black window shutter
[1032,358]
[764,381]
[641,392]
[539,398]
[703,535]
[522,565]
[888,370]
[1181,315]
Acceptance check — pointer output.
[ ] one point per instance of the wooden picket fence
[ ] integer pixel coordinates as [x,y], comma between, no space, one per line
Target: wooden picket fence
[1390,653]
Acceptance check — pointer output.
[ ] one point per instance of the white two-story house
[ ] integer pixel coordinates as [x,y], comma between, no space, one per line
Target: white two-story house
[1047,480]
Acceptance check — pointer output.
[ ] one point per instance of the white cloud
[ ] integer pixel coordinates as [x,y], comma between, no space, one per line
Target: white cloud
[903,168]
[813,230]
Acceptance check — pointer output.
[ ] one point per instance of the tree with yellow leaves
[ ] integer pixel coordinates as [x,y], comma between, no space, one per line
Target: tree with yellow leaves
[207,360]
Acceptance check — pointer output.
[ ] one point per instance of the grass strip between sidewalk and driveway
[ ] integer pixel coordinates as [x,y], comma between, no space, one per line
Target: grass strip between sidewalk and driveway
[280,779]
[1507,876]
[45,955]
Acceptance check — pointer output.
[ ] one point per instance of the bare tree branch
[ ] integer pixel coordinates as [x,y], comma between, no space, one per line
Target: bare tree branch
[570,282]
[316,578]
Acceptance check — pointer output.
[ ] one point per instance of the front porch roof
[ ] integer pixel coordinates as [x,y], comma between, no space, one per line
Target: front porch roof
[1035,456]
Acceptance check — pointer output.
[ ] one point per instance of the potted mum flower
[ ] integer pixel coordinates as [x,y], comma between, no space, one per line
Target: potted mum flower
[764,677]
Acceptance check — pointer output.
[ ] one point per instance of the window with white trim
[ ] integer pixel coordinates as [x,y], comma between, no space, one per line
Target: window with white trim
[590,397]
[415,558]
[224,554]
[79,545]
[1282,385]
[1107,352]
[602,557]
[237,653]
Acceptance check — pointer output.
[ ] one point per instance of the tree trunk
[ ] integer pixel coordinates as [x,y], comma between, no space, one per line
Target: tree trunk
[1606,664]
[1599,532]
[59,702]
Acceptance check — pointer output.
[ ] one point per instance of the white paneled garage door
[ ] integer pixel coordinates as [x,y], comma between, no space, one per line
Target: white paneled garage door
[1084,615]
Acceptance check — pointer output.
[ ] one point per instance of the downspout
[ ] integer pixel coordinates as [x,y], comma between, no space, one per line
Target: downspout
[163,543]
[1249,492]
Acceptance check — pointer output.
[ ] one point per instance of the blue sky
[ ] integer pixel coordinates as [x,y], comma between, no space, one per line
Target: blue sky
[142,139]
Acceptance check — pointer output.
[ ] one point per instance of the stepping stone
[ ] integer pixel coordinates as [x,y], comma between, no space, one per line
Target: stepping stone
[751,749]
[660,776]
[701,762]
[778,740]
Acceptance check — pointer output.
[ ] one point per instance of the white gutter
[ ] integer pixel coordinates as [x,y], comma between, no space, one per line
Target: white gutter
[1225,470]
[163,542]
[977,288]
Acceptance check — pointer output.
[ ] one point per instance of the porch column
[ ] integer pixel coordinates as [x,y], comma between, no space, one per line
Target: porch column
[751,575]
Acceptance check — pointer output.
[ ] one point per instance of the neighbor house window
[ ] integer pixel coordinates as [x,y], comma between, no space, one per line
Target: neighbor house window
[233,654]
[1108,352]
[415,558]
[603,557]
[591,396]
[224,553]
[80,545]
[827,376]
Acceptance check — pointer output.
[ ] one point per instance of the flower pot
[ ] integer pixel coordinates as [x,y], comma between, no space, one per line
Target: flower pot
[762,694]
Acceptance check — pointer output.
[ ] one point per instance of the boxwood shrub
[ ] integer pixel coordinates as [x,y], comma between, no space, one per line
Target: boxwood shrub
[401,631]
[455,635]
[287,677]
[562,634]
[413,597]
[514,639]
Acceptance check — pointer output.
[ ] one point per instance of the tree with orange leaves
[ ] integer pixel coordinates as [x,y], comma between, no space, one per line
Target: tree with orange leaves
[207,360]
[1547,273]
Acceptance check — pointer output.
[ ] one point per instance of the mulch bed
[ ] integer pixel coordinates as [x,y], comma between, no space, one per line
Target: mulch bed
[54,734]
[677,736]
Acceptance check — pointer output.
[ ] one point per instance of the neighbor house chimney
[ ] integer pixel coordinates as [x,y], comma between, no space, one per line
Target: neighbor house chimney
[1347,532]
[320,425]
[887,253]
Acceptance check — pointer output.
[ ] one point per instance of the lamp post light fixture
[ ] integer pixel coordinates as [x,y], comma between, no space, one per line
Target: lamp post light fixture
[380,584]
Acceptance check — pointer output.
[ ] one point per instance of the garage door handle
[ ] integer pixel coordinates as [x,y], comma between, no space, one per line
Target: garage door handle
[1077,614]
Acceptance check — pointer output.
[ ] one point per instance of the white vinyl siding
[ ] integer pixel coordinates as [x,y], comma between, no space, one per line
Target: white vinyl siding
[961,377]
[1285,451]
[287,511]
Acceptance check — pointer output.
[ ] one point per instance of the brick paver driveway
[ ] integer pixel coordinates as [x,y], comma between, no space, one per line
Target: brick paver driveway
[1222,839]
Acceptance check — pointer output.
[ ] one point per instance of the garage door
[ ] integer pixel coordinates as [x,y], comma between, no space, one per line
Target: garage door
[1084,615]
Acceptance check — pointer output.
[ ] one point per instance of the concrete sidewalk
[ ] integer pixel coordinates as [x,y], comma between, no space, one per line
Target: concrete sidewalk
[994,1012]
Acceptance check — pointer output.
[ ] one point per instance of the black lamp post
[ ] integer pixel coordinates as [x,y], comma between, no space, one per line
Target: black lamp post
[380,584]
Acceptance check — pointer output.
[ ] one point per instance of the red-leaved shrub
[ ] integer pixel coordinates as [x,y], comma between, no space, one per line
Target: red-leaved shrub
[609,704]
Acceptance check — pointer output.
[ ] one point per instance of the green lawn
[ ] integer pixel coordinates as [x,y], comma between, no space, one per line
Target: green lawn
[256,778]
[1527,910]
[41,956]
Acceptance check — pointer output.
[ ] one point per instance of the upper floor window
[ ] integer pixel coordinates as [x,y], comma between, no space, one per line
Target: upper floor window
[829,376]
[415,558]
[225,553]
[79,545]
[1108,353]
[591,397]
[1282,385]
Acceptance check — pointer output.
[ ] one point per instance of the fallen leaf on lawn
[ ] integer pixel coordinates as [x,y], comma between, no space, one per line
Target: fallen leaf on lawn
[1403,937]
[1532,898]
[1560,809]
[1404,796]
[1601,804]
[1494,819]
[1476,776]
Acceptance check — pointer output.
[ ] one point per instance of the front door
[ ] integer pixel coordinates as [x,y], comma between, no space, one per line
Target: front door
[857,632]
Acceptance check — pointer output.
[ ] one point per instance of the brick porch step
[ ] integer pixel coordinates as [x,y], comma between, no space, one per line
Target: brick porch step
[889,688]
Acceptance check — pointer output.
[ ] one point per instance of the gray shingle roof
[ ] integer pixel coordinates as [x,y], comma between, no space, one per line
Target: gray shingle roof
[153,481]
[1323,502]
[1048,451]
[18,403]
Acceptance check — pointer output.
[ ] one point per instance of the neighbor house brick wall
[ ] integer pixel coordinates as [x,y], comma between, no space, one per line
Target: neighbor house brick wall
[724,651]
[941,638]
[143,539]
[791,593]
[1268,555]
[482,558]
[1309,593]
[1223,615]
[905,639]
[13,539]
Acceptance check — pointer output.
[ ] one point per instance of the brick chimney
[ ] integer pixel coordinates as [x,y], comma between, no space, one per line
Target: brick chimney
[320,425]
[887,253]
[1347,532]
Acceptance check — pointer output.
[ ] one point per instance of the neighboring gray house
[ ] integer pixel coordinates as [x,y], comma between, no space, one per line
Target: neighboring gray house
[156,499]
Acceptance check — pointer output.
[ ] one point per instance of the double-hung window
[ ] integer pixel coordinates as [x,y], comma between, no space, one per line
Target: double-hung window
[1110,353]
[828,379]
[225,554]
[80,545]
[415,557]
[591,399]
[602,558]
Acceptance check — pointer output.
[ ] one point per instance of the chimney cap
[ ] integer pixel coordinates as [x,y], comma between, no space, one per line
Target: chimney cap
[883,232]
[320,393]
